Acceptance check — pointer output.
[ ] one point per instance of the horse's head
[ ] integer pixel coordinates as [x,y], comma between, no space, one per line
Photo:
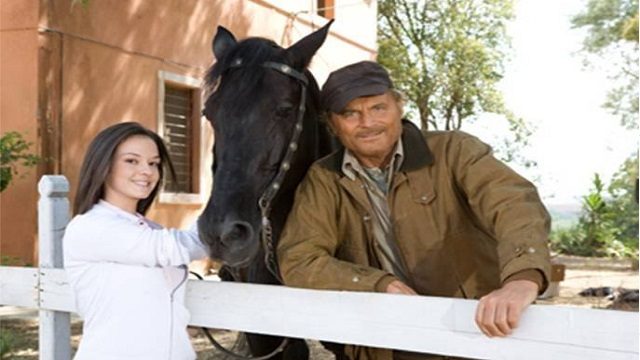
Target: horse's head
[257,88]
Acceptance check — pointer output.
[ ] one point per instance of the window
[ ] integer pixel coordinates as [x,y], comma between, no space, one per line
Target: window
[179,124]
[325,8]
[177,129]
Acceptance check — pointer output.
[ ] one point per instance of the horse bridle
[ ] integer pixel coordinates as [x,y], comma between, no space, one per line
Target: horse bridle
[266,199]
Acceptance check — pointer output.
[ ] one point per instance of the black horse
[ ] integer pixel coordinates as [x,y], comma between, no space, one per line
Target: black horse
[263,106]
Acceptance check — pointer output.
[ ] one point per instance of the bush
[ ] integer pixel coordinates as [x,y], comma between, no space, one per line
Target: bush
[14,152]
[608,226]
[6,343]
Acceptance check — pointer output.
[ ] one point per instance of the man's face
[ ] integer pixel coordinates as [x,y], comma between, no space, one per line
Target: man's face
[369,127]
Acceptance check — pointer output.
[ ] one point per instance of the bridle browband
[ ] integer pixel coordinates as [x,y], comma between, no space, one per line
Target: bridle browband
[266,199]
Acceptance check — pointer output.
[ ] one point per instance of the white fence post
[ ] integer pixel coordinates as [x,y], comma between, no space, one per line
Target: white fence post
[53,216]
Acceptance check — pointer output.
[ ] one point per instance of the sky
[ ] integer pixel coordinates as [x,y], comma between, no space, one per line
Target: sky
[546,83]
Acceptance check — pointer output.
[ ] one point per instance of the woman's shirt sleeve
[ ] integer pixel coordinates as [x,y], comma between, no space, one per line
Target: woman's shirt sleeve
[94,239]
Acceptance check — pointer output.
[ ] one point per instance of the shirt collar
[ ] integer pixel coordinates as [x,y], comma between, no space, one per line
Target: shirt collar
[351,166]
[107,206]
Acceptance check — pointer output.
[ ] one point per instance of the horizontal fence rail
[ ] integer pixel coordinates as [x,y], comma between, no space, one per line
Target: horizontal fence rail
[414,323]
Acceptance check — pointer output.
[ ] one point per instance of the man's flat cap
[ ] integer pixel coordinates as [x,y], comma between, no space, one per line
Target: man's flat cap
[365,78]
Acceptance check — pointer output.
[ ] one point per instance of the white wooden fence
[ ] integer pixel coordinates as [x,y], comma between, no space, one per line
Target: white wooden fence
[416,323]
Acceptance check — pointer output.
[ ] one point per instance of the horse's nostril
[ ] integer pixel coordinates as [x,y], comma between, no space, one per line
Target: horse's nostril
[236,232]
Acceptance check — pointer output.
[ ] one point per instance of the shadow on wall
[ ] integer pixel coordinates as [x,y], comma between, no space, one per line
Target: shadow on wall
[110,55]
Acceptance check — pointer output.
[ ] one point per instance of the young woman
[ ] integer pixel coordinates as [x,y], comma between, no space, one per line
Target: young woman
[128,273]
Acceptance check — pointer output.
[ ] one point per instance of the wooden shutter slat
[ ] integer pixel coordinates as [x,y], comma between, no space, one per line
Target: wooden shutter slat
[177,116]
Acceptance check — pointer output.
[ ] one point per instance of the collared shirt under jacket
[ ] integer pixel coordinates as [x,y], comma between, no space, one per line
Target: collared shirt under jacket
[128,276]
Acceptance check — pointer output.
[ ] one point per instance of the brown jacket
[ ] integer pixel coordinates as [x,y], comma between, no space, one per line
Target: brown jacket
[464,223]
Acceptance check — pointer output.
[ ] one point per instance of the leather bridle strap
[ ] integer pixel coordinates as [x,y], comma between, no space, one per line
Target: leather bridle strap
[265,201]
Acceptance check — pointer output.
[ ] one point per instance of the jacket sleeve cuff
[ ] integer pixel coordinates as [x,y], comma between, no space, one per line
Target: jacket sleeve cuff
[381,285]
[534,275]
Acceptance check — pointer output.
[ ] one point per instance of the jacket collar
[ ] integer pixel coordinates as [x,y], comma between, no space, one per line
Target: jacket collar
[416,151]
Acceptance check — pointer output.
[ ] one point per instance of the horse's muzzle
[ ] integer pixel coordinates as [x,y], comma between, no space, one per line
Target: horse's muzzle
[232,242]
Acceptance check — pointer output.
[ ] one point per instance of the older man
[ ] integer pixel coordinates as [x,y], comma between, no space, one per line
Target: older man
[405,211]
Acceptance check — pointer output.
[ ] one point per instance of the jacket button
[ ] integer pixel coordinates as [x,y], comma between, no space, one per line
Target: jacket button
[424,198]
[366,218]
[531,250]
[518,249]
[356,279]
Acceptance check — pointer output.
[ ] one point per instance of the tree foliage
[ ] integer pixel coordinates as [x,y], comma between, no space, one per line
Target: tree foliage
[446,56]
[624,199]
[14,151]
[612,34]
[608,22]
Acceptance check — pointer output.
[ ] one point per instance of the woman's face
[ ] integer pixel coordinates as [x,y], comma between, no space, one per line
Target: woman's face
[134,173]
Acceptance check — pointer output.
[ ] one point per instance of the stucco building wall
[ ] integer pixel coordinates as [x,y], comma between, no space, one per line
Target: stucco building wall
[68,71]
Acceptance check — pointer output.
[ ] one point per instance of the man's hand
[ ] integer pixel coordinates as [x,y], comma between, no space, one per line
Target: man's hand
[398,287]
[499,311]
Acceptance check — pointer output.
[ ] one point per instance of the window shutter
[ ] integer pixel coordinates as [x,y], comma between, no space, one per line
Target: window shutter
[178,110]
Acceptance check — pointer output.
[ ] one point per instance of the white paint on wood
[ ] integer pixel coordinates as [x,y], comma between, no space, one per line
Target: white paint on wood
[56,293]
[417,323]
[53,216]
[19,286]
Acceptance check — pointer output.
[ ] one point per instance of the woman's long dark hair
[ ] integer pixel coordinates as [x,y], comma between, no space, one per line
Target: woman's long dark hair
[98,160]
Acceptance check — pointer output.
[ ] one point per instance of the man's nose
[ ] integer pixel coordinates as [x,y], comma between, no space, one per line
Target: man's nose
[365,118]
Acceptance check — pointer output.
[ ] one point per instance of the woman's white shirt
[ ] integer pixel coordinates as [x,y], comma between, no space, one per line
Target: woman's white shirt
[128,275]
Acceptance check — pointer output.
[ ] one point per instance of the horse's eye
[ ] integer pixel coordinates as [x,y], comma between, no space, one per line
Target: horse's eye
[284,110]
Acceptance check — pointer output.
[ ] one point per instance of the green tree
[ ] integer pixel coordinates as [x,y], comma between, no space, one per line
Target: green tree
[447,58]
[624,202]
[14,151]
[612,35]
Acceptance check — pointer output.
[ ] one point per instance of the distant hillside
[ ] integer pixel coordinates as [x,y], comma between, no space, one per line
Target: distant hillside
[563,215]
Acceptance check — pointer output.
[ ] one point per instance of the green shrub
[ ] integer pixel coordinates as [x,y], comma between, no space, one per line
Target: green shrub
[608,226]
[7,341]
[14,152]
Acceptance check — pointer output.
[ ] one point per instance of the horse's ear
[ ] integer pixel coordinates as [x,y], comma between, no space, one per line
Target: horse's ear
[301,52]
[222,42]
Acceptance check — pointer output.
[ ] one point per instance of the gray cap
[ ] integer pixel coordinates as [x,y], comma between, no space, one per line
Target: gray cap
[365,78]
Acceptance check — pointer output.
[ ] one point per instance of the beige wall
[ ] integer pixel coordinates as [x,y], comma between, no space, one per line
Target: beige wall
[18,111]
[69,71]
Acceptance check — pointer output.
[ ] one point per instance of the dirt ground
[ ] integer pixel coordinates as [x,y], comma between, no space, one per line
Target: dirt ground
[580,274]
